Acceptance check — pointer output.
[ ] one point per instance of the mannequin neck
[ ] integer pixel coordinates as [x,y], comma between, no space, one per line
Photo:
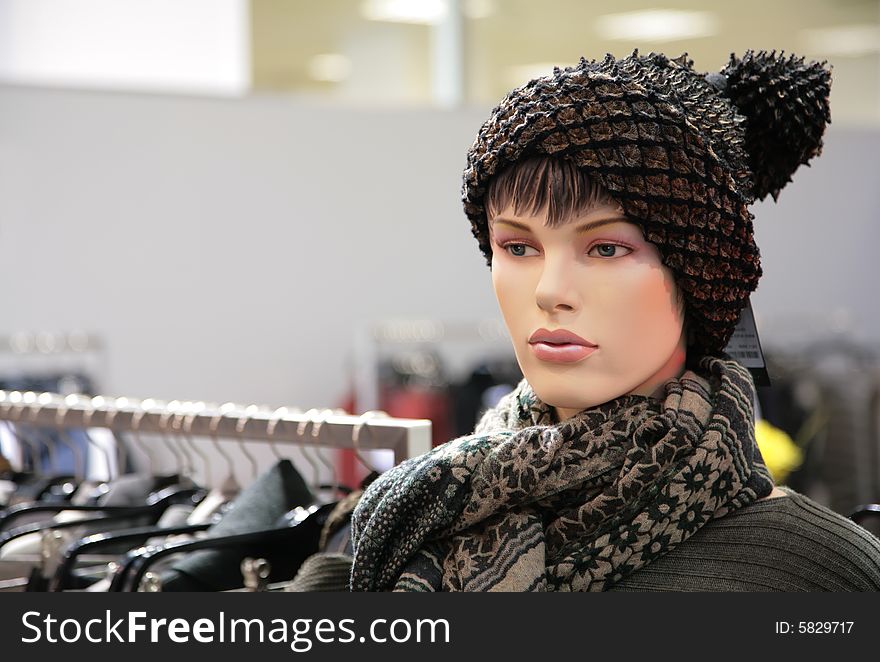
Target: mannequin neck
[654,387]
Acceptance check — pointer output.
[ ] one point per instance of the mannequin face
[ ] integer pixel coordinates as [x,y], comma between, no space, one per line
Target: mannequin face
[607,285]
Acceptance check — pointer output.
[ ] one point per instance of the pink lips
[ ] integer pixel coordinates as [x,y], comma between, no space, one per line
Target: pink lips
[560,346]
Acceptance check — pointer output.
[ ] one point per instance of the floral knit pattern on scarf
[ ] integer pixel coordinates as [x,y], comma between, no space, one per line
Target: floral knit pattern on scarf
[529,504]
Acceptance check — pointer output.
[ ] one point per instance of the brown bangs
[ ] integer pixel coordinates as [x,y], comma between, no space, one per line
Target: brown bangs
[544,182]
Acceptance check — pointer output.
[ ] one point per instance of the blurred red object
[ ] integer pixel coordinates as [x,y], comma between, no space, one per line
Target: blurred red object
[400,402]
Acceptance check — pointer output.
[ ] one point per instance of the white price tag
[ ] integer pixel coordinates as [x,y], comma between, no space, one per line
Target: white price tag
[745,347]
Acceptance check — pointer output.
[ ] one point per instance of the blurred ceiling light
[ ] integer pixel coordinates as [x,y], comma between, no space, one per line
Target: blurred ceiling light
[329,67]
[657,25]
[426,12]
[477,9]
[196,46]
[843,40]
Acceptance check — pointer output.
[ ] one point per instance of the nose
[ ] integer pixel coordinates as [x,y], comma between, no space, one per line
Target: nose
[556,289]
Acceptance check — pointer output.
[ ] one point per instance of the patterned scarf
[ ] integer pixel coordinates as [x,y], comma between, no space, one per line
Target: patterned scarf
[526,503]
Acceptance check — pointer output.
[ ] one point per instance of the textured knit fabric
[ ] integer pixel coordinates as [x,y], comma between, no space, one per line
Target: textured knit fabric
[788,544]
[780,544]
[529,504]
[324,571]
[685,154]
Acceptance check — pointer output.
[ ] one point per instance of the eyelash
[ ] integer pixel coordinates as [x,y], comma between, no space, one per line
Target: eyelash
[603,243]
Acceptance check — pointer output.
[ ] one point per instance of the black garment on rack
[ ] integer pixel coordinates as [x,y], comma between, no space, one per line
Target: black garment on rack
[259,506]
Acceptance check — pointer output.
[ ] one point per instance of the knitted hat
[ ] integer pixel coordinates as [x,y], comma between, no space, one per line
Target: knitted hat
[683,152]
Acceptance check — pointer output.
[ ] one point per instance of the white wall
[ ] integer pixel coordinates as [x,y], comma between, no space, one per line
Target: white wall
[226,249]
[819,243]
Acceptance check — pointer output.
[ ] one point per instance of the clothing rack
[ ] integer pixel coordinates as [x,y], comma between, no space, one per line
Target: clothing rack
[371,431]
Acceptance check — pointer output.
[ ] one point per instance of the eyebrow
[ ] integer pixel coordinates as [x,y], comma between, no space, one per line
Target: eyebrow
[580,229]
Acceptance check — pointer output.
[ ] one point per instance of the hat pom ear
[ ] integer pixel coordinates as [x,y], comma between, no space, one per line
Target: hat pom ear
[785,103]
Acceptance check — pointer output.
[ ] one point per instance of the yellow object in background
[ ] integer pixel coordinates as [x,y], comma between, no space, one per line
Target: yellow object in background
[780,453]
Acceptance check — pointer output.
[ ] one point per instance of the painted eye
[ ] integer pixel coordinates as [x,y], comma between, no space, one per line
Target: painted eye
[610,250]
[517,250]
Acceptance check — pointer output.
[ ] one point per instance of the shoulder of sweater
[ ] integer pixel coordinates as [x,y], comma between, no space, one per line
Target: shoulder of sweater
[804,516]
[794,528]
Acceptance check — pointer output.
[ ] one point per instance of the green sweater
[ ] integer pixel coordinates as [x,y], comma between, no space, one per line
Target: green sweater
[786,543]
[782,544]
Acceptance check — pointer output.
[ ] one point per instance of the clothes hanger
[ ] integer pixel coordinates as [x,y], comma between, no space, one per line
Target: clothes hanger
[339,490]
[240,424]
[306,452]
[179,470]
[274,419]
[119,465]
[136,434]
[363,420]
[13,403]
[179,450]
[34,433]
[35,453]
[317,418]
[230,484]
[334,486]
[188,411]
[333,538]
[179,441]
[218,497]
[5,404]
[66,488]
[87,423]
[119,405]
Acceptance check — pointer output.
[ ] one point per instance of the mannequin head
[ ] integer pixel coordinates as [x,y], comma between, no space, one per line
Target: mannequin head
[606,284]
